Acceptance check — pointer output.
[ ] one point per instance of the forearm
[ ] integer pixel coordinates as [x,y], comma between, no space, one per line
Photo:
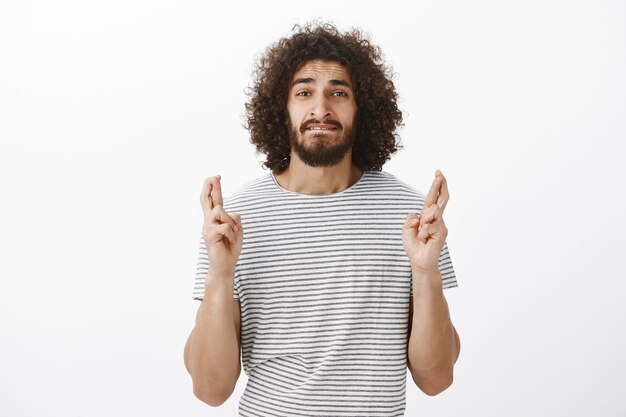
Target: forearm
[212,350]
[433,346]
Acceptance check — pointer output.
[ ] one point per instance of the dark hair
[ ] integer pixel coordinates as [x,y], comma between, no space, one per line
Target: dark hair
[377,117]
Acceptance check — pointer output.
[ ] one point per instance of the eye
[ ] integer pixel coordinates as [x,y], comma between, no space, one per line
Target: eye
[303,93]
[341,93]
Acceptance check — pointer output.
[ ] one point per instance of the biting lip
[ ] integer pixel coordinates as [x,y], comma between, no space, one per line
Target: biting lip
[321,127]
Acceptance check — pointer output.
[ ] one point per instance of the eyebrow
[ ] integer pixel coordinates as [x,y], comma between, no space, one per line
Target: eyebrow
[312,81]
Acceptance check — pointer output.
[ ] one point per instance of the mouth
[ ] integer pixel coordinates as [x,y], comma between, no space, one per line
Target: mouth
[321,128]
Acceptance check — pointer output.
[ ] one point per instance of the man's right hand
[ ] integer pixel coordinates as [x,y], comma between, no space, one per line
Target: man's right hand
[222,233]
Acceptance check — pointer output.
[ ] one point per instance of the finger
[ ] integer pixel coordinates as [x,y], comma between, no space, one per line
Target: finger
[423,233]
[428,230]
[205,199]
[237,218]
[219,216]
[431,214]
[226,231]
[215,232]
[216,194]
[412,220]
[444,194]
[431,198]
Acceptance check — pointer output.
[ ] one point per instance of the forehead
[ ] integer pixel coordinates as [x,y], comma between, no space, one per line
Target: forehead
[320,70]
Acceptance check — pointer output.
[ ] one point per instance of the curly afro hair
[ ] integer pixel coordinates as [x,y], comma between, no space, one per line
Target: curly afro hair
[378,116]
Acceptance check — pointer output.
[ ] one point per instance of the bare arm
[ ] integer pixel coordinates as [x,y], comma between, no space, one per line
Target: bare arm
[434,344]
[213,350]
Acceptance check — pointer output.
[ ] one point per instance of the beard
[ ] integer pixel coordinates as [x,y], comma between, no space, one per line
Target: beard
[319,148]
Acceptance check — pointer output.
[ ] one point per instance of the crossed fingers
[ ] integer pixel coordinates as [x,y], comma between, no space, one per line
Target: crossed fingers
[431,216]
[212,192]
[213,203]
[438,193]
[436,200]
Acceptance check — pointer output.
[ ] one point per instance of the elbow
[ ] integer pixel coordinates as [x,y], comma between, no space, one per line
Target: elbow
[205,391]
[210,395]
[214,392]
[435,388]
[433,383]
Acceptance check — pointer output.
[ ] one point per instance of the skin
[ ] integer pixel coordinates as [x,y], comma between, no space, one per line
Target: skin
[320,164]
[434,344]
[320,92]
[213,350]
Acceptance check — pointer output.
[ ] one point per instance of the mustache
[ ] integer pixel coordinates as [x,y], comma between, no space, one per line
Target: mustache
[304,126]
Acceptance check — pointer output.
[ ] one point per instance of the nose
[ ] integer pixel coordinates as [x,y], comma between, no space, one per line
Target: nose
[320,107]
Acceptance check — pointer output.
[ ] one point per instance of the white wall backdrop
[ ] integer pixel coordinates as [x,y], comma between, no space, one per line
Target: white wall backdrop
[113,113]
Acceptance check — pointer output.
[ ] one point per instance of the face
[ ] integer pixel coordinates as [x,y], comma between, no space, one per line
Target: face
[321,109]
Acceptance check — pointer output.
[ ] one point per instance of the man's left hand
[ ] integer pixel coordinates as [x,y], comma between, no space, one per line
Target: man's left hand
[423,235]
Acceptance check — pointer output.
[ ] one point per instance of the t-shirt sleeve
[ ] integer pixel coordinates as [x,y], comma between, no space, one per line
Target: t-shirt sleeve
[202,269]
[448,278]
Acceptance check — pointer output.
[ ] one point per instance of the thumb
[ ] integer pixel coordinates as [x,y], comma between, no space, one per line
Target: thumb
[237,218]
[412,219]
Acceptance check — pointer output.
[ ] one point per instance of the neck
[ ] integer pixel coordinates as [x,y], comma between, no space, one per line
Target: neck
[301,178]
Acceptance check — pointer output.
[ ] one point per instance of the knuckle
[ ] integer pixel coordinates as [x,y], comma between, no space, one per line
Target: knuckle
[214,216]
[223,229]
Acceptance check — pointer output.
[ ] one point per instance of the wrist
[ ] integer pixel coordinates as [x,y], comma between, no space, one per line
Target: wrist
[218,281]
[220,274]
[426,275]
[425,272]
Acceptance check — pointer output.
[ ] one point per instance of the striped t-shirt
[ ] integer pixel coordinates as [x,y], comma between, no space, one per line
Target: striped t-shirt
[324,284]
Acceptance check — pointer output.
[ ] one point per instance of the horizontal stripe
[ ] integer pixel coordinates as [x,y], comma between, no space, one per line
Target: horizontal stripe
[323,283]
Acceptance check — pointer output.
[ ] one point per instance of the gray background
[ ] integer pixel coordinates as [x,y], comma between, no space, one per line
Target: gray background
[113,113]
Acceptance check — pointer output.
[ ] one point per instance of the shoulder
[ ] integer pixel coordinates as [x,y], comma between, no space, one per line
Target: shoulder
[249,193]
[391,182]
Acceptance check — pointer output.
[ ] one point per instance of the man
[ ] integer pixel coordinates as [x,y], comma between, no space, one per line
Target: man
[337,282]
